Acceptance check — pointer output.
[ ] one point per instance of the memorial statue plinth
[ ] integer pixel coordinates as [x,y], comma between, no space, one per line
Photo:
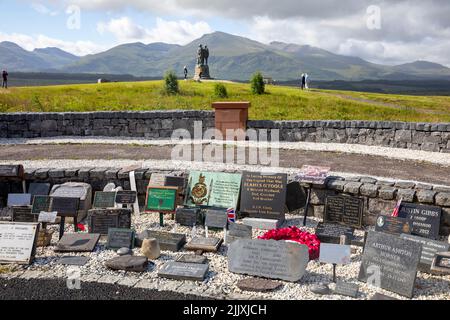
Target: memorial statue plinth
[201,72]
[231,116]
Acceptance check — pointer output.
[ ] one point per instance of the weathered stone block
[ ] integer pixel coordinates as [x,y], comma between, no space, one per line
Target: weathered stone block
[387,193]
[426,196]
[318,196]
[56,173]
[443,199]
[406,195]
[352,187]
[405,184]
[369,190]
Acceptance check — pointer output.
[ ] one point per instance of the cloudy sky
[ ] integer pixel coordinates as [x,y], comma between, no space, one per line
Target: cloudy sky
[381,31]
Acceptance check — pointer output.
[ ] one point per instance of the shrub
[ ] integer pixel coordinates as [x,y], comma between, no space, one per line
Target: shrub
[257,83]
[220,91]
[171,83]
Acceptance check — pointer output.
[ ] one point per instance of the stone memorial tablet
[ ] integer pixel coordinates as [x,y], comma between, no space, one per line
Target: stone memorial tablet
[183,271]
[125,197]
[19,199]
[188,216]
[441,263]
[346,289]
[216,219]
[39,189]
[204,244]
[161,199]
[167,241]
[429,249]
[213,189]
[295,196]
[66,207]
[425,219]
[120,238]
[331,233]
[393,225]
[47,217]
[240,230]
[104,199]
[343,209]
[73,261]
[11,171]
[263,224]
[393,260]
[264,195]
[77,242]
[23,214]
[192,258]
[268,258]
[41,203]
[335,253]
[100,220]
[18,242]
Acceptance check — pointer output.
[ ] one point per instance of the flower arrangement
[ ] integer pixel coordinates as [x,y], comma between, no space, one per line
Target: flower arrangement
[297,235]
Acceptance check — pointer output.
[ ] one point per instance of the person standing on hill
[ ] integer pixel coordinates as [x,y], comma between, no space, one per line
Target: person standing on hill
[5,79]
[185,72]
[303,81]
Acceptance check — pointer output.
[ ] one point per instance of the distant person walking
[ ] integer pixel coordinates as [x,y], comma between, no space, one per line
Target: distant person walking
[5,79]
[185,73]
[303,81]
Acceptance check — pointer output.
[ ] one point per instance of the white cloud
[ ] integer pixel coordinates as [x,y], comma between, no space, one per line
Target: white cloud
[177,32]
[40,8]
[30,43]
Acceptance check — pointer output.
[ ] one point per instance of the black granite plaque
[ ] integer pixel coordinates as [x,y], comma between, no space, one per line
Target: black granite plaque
[393,225]
[167,241]
[66,207]
[216,219]
[425,219]
[104,199]
[295,196]
[172,181]
[429,249]
[100,220]
[240,230]
[23,214]
[126,197]
[183,271]
[77,242]
[187,216]
[343,209]
[346,289]
[120,238]
[331,233]
[390,262]
[263,195]
[39,189]
[41,203]
[192,258]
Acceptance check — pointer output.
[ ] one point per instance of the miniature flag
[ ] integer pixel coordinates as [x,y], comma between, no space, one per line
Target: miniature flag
[397,208]
[231,213]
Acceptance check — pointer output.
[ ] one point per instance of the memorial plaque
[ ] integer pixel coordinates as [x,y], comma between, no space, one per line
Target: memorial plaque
[167,241]
[18,242]
[104,199]
[264,195]
[161,199]
[204,244]
[120,238]
[379,296]
[263,224]
[441,263]
[41,203]
[343,209]
[240,230]
[213,189]
[47,217]
[183,271]
[335,253]
[125,197]
[394,259]
[295,196]
[393,225]
[73,261]
[23,214]
[77,242]
[312,174]
[11,171]
[100,220]
[331,233]
[66,207]
[346,289]
[429,249]
[216,219]
[172,181]
[19,199]
[188,216]
[425,219]
[80,190]
[157,180]
[268,258]
[39,189]
[192,258]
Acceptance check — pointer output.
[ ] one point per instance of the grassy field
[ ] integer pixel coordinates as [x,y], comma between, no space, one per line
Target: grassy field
[279,103]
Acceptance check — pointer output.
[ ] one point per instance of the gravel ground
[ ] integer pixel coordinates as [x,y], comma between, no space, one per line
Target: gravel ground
[220,283]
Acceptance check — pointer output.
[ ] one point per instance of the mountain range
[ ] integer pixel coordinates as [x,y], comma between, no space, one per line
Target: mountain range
[231,57]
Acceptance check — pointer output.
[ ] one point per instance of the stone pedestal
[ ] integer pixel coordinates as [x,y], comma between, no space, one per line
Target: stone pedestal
[231,116]
[201,72]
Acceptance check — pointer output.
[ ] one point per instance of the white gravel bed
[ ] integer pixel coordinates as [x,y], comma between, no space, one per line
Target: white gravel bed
[393,153]
[219,282]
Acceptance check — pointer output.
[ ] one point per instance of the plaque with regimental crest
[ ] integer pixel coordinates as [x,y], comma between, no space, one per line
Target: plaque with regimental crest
[345,210]
[18,242]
